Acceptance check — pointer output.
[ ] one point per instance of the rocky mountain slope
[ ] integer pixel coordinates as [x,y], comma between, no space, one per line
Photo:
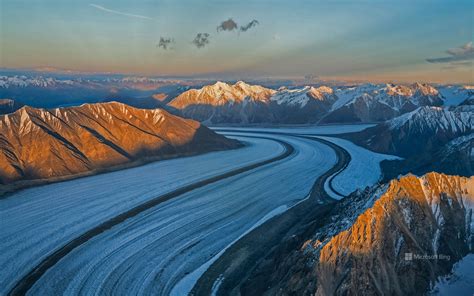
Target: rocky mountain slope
[372,103]
[418,130]
[225,103]
[244,103]
[429,138]
[361,245]
[415,232]
[44,144]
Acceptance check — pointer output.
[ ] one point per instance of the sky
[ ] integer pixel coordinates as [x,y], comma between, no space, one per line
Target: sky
[375,40]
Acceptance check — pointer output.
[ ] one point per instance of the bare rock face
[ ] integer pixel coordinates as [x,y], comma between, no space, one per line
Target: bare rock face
[43,144]
[415,232]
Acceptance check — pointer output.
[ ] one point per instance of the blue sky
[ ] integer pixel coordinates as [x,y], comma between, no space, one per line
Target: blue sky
[335,39]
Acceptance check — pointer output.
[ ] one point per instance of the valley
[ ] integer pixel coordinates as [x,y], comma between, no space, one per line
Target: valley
[233,214]
[236,148]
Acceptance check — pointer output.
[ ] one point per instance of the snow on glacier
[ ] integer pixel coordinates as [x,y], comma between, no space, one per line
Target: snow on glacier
[152,252]
[363,169]
[460,282]
[39,220]
[186,284]
[304,129]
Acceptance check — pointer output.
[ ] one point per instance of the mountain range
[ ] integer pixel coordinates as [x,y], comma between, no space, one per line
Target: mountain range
[65,142]
[374,103]
[428,139]
[238,103]
[242,103]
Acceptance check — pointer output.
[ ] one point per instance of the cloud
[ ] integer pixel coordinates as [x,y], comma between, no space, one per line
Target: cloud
[165,43]
[249,26]
[120,13]
[228,25]
[201,40]
[458,65]
[463,53]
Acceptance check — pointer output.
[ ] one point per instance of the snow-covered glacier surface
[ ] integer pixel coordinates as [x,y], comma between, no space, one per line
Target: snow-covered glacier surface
[304,130]
[363,169]
[37,221]
[460,282]
[168,247]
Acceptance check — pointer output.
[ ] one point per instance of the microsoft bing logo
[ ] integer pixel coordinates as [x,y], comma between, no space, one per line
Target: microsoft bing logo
[411,257]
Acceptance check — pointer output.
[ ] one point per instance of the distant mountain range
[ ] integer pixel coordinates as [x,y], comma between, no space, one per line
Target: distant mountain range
[242,103]
[50,92]
[374,103]
[64,142]
[239,103]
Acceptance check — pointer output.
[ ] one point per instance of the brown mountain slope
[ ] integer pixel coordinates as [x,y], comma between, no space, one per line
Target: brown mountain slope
[43,144]
[429,216]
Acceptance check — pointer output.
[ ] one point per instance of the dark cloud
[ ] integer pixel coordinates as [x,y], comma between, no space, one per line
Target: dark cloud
[463,53]
[249,26]
[228,25]
[165,43]
[201,40]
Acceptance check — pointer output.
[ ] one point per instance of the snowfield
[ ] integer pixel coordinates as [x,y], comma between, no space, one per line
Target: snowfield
[303,130]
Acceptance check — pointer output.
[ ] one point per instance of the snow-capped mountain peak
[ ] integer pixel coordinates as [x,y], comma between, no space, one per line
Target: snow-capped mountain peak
[435,118]
[302,96]
[221,93]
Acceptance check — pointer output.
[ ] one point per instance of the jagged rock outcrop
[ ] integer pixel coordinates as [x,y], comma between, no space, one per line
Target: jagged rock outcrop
[44,144]
[415,232]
